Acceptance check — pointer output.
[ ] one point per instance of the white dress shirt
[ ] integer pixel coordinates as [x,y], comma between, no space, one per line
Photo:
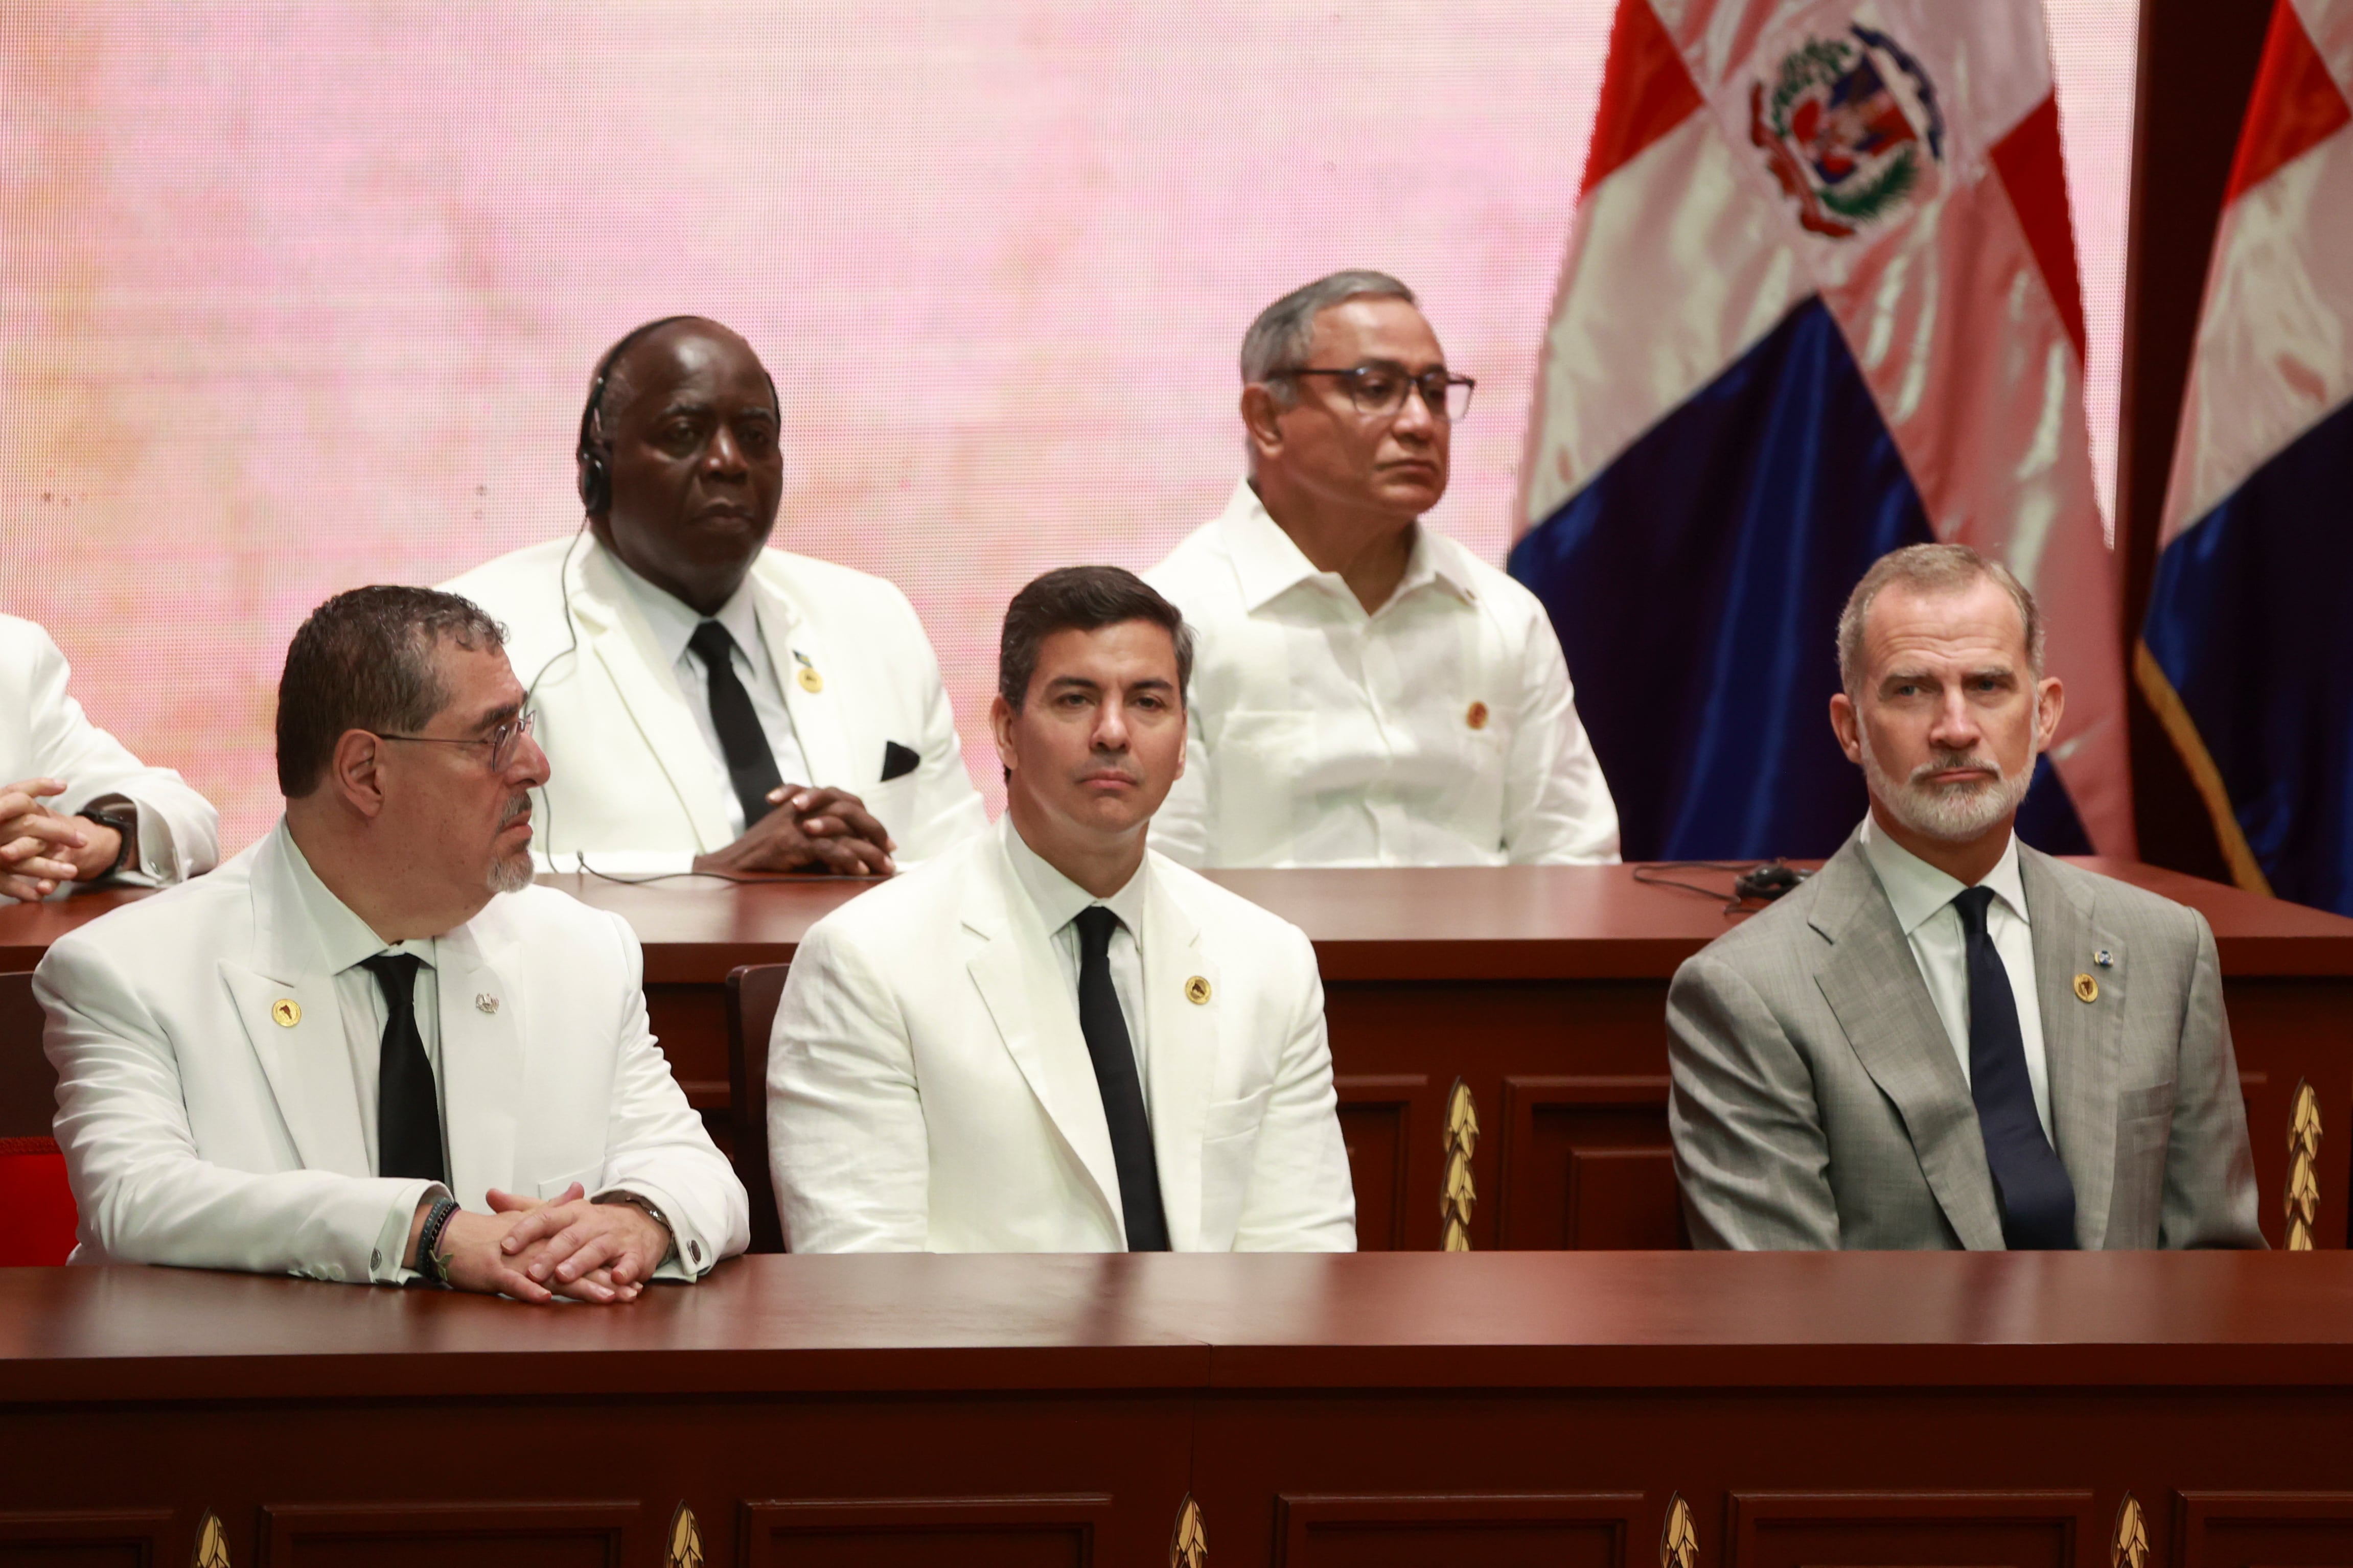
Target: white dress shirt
[1439,730]
[1058,901]
[346,942]
[674,623]
[1923,898]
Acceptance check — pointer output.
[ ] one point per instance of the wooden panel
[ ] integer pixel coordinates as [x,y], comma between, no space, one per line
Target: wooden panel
[1587,1164]
[452,1535]
[91,1538]
[690,1022]
[28,1097]
[1554,1529]
[2262,1530]
[1052,1531]
[1914,1530]
[2283,1030]
[1384,1119]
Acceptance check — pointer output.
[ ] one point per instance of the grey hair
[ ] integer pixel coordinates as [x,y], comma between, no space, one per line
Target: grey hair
[1930,569]
[1286,331]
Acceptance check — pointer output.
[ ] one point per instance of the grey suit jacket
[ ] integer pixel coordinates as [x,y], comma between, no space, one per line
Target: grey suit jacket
[1818,1101]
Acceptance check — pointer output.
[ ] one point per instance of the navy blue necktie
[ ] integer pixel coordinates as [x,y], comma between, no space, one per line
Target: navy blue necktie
[1106,1028]
[2030,1185]
[751,766]
[408,1105]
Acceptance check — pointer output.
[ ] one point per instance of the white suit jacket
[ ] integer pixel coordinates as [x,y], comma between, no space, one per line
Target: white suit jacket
[44,734]
[632,776]
[929,1088]
[197,1129]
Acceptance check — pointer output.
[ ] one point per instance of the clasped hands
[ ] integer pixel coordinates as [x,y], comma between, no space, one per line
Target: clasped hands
[536,1251]
[39,849]
[810,830]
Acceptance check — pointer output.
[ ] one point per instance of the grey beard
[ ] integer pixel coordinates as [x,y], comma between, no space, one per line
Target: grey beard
[1951,815]
[511,874]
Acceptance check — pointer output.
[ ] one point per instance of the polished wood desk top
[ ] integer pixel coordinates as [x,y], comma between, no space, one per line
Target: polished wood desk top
[1475,922]
[1505,1319]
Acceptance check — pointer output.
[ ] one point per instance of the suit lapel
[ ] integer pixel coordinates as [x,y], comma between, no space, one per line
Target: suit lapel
[2081,1042]
[481,1065]
[1873,984]
[308,1063]
[794,647]
[1037,1018]
[1180,1056]
[624,645]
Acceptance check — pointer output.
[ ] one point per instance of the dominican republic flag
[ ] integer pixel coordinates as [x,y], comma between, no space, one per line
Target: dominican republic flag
[1821,301]
[2245,654]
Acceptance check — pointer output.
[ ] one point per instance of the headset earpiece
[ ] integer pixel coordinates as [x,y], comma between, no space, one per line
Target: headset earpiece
[594,473]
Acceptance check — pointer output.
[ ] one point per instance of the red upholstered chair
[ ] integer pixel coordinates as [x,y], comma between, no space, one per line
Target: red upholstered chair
[752,991]
[37,1208]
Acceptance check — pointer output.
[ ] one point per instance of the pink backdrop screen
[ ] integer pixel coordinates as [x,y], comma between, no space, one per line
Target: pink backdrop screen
[294,297]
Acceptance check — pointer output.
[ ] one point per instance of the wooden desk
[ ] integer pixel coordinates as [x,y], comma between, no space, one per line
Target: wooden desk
[1542,988]
[1840,1411]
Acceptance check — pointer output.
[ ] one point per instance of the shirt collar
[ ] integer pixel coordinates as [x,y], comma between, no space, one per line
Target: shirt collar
[1058,899]
[1917,889]
[673,621]
[342,939]
[1268,562]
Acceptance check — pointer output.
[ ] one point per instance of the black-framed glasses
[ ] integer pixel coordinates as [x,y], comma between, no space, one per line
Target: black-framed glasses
[1380,389]
[502,740]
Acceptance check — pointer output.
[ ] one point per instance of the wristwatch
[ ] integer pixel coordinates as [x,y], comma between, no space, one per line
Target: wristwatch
[124,817]
[646,1205]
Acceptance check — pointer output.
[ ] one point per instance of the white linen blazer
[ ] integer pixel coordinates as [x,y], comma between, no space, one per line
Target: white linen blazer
[630,775]
[45,735]
[199,1131]
[929,1088]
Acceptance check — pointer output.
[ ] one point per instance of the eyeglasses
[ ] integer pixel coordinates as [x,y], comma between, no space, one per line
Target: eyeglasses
[502,740]
[1380,389]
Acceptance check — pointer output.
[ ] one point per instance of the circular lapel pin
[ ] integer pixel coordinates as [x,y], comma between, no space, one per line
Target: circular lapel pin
[811,681]
[2086,988]
[1477,717]
[2104,959]
[486,1002]
[1197,991]
[287,1011]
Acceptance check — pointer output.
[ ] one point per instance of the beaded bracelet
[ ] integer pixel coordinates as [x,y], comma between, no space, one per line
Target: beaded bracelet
[437,1220]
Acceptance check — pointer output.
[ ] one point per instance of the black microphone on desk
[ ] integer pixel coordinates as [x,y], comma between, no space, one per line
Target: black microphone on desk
[1768,882]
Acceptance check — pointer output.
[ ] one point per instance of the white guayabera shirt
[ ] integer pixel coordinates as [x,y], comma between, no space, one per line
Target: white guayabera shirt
[1438,731]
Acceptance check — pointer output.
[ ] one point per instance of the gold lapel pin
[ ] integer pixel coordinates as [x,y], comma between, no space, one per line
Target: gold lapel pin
[1197,991]
[486,1002]
[287,1011]
[811,681]
[2086,988]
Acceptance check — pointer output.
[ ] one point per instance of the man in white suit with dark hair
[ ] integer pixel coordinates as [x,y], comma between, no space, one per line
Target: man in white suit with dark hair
[367,1048]
[709,703]
[1053,1041]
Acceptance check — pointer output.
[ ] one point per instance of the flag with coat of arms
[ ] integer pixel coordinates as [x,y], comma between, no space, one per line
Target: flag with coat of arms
[2242,653]
[1821,301]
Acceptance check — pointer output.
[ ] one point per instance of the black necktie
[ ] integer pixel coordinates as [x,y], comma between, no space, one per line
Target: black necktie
[1123,1094]
[2030,1186]
[751,766]
[407,1108]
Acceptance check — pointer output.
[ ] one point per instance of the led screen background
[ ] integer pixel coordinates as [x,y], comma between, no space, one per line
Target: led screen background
[294,297]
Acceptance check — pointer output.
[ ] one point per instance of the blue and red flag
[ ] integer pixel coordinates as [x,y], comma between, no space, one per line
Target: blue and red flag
[1821,301]
[2242,654]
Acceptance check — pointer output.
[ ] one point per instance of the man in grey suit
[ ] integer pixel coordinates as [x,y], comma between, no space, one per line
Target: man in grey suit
[1945,1038]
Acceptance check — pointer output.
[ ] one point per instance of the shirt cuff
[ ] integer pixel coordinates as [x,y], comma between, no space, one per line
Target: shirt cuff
[384,1262]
